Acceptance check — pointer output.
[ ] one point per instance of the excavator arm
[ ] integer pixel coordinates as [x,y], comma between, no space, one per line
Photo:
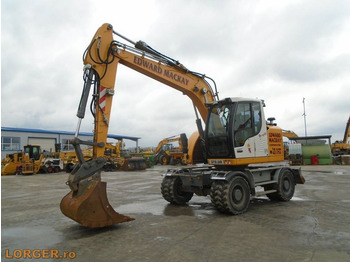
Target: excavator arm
[347,132]
[87,202]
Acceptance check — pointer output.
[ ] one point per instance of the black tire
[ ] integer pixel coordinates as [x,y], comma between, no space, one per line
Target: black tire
[231,197]
[69,167]
[285,187]
[172,191]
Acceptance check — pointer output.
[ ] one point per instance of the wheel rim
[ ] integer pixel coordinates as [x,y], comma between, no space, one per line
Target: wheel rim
[286,185]
[286,188]
[238,197]
[237,194]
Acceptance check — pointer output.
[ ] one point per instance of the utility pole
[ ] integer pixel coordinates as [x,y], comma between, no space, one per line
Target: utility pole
[304,116]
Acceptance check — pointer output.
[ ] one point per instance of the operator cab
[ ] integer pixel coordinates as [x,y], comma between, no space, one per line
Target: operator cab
[236,129]
[33,151]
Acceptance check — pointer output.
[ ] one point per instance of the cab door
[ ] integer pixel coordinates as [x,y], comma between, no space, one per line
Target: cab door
[249,130]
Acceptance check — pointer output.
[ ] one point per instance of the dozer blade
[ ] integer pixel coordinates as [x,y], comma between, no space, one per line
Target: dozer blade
[92,209]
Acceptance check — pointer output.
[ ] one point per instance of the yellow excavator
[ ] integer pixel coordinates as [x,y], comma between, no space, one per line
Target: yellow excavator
[342,147]
[289,134]
[241,150]
[166,153]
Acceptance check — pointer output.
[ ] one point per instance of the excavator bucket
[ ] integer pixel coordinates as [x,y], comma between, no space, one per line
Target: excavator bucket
[92,209]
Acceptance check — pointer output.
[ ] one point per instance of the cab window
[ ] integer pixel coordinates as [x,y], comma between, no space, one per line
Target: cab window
[247,122]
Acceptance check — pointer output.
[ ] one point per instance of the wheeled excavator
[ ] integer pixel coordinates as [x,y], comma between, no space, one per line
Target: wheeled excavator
[242,152]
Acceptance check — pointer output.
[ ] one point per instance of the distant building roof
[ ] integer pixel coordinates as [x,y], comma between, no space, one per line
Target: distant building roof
[43,131]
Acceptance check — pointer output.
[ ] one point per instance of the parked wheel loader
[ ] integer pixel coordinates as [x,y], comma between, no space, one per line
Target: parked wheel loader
[241,150]
[31,161]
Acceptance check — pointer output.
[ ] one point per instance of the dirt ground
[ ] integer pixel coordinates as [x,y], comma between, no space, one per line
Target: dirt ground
[313,226]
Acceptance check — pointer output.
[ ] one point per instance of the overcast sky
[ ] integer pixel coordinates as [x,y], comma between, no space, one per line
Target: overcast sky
[279,51]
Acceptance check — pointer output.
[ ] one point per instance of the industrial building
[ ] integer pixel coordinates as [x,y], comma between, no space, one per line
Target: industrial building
[13,139]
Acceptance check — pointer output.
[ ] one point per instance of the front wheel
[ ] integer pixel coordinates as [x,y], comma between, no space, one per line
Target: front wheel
[231,197]
[285,187]
[172,191]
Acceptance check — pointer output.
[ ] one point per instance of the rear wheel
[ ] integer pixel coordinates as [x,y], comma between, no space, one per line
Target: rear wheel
[231,197]
[172,191]
[285,187]
[164,160]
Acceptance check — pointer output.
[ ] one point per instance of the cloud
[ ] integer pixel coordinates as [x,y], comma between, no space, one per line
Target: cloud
[280,51]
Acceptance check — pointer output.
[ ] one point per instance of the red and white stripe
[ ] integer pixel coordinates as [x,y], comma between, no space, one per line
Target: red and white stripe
[103,92]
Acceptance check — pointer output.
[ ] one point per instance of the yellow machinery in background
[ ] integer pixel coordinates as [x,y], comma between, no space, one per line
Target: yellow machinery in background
[31,161]
[69,158]
[166,153]
[11,163]
[342,147]
[24,163]
[115,160]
